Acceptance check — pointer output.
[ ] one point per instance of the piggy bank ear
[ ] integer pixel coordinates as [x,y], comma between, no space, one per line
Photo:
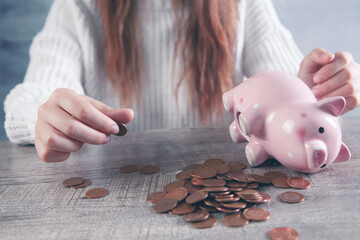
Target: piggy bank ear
[344,154]
[332,105]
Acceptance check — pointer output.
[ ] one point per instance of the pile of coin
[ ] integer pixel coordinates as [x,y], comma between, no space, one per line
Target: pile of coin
[76,182]
[79,182]
[202,189]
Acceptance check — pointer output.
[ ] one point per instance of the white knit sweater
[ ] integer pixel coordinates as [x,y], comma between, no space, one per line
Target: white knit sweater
[67,53]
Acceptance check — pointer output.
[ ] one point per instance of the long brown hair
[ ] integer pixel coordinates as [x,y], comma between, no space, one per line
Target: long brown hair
[205,37]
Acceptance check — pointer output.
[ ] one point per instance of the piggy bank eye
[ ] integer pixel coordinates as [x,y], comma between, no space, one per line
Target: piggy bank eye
[321,130]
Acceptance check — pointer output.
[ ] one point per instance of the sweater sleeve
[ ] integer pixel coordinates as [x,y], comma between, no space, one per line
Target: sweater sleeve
[268,44]
[55,62]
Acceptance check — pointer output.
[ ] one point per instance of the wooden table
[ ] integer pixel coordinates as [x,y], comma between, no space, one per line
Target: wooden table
[34,205]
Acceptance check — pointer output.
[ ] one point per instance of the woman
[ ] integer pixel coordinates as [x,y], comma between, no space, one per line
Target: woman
[170,61]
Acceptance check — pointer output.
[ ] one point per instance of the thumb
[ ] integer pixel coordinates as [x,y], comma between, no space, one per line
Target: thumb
[123,115]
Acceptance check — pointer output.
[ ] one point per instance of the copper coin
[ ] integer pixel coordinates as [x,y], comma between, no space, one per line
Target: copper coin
[222,169]
[212,203]
[208,208]
[198,215]
[283,233]
[82,185]
[252,185]
[196,197]
[236,184]
[155,197]
[227,193]
[254,200]
[259,179]
[221,195]
[231,175]
[261,198]
[256,214]
[247,192]
[298,182]
[197,181]
[214,182]
[280,182]
[266,197]
[205,172]
[165,205]
[183,175]
[179,194]
[191,188]
[273,174]
[240,205]
[194,166]
[73,181]
[235,220]
[183,208]
[242,178]
[216,189]
[149,169]
[212,161]
[223,177]
[173,185]
[122,129]
[228,210]
[291,197]
[236,166]
[129,168]
[96,193]
[227,199]
[208,223]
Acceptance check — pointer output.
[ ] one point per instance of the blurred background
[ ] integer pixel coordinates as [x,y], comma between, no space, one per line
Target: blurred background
[333,25]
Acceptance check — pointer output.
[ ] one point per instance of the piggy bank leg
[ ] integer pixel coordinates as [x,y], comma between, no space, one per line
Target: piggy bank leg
[235,133]
[250,122]
[228,100]
[255,153]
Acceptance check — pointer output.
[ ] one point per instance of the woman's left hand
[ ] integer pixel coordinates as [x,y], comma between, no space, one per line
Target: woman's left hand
[330,75]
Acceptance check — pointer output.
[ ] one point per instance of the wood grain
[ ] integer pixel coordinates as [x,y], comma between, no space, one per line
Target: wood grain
[34,205]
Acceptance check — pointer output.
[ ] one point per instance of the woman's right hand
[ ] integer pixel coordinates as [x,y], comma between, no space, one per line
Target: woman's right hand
[68,120]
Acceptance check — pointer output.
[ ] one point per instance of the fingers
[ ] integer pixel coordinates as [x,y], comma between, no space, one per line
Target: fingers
[345,90]
[315,60]
[86,112]
[99,105]
[347,77]
[342,61]
[57,141]
[352,102]
[49,155]
[67,121]
[330,75]
[123,115]
[72,127]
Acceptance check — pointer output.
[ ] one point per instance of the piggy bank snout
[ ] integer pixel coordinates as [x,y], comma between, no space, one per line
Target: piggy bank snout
[316,154]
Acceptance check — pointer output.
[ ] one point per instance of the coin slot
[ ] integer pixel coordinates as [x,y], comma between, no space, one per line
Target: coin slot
[237,118]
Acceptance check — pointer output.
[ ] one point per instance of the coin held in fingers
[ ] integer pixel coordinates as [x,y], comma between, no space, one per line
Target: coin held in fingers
[122,129]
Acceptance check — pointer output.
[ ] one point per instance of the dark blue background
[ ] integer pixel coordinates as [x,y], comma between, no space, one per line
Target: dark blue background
[20,20]
[334,25]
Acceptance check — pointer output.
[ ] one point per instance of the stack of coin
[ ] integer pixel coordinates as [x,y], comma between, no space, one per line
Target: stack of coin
[202,189]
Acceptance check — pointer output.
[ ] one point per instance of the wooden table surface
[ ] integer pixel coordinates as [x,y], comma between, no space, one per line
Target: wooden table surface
[34,205]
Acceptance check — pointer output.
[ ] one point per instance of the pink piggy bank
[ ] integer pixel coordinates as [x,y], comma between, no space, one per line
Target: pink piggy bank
[279,116]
